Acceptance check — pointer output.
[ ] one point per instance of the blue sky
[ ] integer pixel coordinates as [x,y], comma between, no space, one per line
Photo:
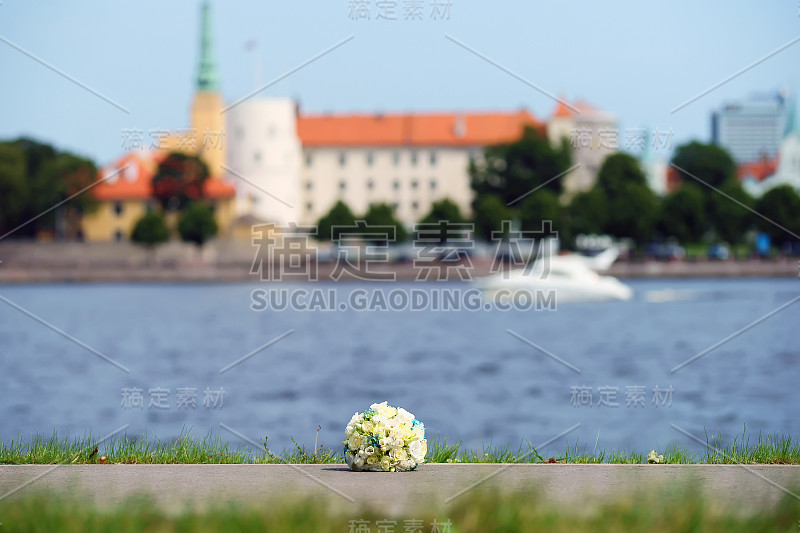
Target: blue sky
[637,59]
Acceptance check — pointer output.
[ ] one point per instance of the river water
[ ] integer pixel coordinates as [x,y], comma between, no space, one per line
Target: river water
[600,370]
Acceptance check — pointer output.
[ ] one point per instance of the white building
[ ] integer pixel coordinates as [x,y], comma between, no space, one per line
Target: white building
[751,129]
[264,159]
[290,167]
[408,161]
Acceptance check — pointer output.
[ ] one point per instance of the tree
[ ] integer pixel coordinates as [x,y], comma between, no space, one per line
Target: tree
[489,214]
[339,215]
[33,178]
[781,206]
[729,219]
[62,177]
[683,214]
[510,170]
[587,213]
[632,205]
[150,230]
[179,180]
[197,224]
[444,210]
[709,163]
[383,215]
[13,187]
[540,208]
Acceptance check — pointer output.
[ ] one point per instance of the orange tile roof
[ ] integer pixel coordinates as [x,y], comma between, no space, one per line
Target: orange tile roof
[125,183]
[565,109]
[413,129]
[758,170]
[218,188]
[134,182]
[562,110]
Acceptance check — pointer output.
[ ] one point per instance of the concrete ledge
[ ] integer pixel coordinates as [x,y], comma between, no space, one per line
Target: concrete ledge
[738,488]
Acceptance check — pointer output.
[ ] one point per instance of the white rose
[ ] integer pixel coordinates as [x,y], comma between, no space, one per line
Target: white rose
[406,465]
[404,416]
[418,449]
[398,454]
[356,441]
[379,420]
[387,411]
[377,406]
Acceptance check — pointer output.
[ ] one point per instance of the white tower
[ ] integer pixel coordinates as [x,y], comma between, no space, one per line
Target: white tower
[264,159]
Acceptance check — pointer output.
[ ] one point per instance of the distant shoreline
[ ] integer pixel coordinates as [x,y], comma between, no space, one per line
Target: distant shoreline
[239,272]
[231,262]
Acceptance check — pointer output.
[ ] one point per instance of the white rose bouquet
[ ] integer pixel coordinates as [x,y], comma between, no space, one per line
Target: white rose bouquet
[385,439]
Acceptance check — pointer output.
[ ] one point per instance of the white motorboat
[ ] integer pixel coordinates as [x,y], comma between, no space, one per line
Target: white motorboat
[573,278]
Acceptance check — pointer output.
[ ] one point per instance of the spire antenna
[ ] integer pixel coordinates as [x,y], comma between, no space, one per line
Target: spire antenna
[207,75]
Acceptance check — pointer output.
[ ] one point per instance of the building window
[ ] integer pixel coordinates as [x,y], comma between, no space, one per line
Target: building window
[414,184]
[309,160]
[433,159]
[414,158]
[118,208]
[257,157]
[309,206]
[309,185]
[342,185]
[414,205]
[396,185]
[370,158]
[370,184]
[396,158]
[118,236]
[342,159]
[395,206]
[433,185]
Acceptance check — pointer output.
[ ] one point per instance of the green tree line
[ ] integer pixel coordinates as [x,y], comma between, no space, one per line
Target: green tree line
[522,181]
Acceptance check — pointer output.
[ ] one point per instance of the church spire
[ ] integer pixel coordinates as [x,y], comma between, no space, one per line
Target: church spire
[207,76]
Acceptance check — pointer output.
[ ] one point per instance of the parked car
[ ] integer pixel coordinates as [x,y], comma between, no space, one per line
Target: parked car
[718,252]
[665,251]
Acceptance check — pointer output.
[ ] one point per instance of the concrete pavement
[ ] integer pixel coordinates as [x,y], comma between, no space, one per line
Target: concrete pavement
[732,487]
